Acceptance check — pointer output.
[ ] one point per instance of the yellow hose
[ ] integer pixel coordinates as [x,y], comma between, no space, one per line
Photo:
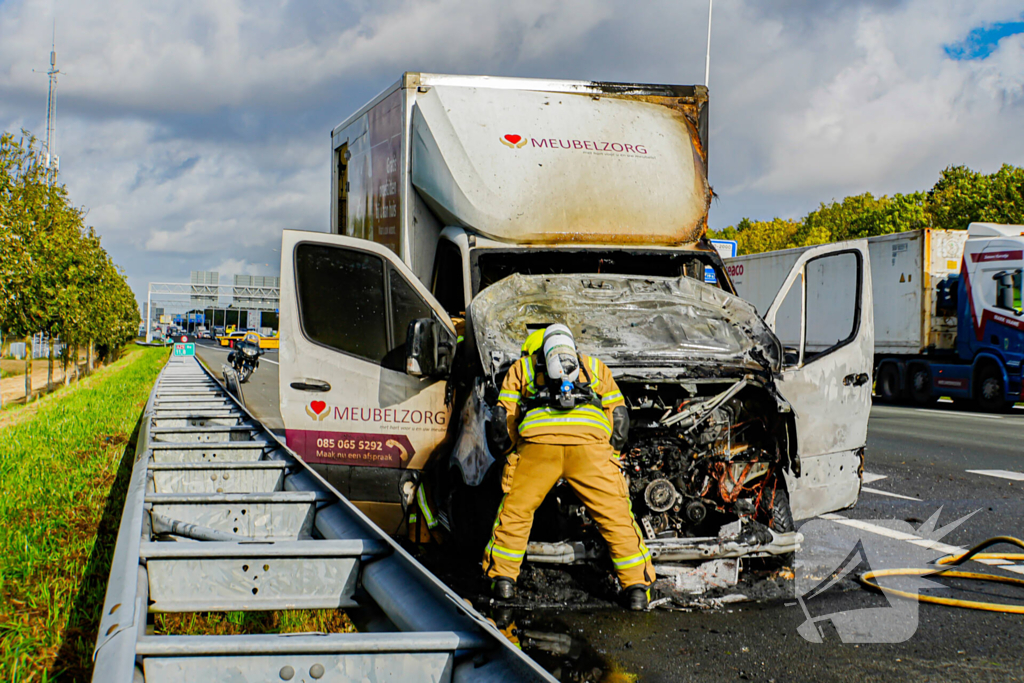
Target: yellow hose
[973,553]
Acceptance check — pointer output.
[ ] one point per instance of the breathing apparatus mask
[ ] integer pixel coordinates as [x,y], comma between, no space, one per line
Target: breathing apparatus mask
[562,365]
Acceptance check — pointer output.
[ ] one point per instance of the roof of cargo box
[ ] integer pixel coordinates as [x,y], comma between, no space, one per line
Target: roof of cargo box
[533,161]
[994,230]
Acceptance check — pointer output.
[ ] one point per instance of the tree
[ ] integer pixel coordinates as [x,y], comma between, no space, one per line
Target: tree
[959,197]
[55,277]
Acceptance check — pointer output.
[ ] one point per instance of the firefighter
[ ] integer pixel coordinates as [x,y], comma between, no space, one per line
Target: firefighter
[564,418]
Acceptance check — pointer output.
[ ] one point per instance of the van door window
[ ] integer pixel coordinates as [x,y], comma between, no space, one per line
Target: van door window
[833,302]
[406,306]
[821,310]
[349,317]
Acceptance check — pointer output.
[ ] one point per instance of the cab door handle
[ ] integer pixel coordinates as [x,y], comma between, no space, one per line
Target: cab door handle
[311,385]
[856,380]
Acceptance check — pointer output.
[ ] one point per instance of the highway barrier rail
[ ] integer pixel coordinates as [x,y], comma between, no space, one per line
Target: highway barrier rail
[221,516]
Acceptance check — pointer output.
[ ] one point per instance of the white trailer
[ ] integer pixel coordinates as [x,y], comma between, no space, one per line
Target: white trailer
[907,269]
[947,311]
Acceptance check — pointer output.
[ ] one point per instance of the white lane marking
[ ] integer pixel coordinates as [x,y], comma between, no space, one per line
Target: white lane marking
[1002,474]
[918,541]
[886,493]
[267,360]
[940,546]
[871,477]
[873,528]
[953,413]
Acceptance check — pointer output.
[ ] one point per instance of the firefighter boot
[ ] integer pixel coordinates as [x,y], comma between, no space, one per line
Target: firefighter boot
[637,598]
[503,588]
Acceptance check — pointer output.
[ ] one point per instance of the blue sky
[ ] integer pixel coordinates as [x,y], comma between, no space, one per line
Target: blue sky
[195,131]
[983,41]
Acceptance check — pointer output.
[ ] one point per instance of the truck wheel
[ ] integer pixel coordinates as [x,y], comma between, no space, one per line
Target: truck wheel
[921,385]
[888,383]
[991,394]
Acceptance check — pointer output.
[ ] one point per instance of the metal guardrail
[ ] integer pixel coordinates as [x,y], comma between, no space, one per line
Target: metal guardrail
[221,516]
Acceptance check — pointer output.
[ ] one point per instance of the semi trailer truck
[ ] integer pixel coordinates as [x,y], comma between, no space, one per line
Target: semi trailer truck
[467,212]
[948,318]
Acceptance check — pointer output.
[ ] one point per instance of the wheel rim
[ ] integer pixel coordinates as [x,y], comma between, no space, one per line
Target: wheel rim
[920,380]
[991,388]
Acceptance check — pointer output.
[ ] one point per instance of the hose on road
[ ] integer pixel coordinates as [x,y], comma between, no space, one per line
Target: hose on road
[867,578]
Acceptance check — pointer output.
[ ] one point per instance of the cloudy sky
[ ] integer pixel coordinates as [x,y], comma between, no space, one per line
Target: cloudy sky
[195,131]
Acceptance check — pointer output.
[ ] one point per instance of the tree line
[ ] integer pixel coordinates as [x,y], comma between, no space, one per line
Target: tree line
[960,197]
[55,277]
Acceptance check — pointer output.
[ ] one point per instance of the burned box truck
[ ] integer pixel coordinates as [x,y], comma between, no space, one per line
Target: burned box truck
[467,212]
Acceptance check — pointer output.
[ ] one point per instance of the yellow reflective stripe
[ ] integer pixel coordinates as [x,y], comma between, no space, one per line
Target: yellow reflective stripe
[595,381]
[585,408]
[632,560]
[507,553]
[421,498]
[513,395]
[584,411]
[529,389]
[564,421]
[611,398]
[497,517]
[459,339]
[584,415]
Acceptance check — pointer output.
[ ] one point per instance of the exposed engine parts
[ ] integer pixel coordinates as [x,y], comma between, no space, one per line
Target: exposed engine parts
[695,462]
[660,495]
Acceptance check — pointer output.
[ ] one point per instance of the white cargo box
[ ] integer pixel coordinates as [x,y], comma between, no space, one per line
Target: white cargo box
[906,267]
[522,161]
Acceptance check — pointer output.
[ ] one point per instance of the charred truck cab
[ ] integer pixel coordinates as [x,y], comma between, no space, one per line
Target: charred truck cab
[469,211]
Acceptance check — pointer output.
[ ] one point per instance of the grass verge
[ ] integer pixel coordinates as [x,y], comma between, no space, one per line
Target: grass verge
[63,476]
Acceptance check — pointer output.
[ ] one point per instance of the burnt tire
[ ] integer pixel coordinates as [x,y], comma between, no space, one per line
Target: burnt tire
[888,384]
[921,385]
[775,512]
[990,390]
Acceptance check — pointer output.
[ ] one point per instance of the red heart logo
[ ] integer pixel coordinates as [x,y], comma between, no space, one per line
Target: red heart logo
[514,139]
[318,406]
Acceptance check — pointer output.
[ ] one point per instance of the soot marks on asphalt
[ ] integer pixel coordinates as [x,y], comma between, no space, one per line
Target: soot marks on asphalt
[544,636]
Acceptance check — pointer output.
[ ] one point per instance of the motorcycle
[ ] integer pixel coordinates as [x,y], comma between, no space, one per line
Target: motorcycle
[245,359]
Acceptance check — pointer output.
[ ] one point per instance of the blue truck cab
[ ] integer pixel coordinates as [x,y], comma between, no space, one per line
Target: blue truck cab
[986,295]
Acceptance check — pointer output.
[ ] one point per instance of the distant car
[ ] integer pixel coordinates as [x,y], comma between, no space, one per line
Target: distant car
[230,340]
[255,337]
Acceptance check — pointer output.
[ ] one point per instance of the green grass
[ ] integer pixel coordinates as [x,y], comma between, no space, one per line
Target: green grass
[58,468]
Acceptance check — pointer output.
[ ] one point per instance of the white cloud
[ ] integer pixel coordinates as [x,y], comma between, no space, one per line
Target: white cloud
[195,131]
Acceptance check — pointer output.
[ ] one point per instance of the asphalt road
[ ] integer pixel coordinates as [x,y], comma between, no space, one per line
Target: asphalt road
[923,455]
[918,462]
[260,392]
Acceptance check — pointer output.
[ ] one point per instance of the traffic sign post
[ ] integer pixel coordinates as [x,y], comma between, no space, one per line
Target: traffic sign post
[726,249]
[184,347]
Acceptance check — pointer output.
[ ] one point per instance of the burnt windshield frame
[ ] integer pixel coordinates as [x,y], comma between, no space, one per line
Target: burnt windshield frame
[590,261]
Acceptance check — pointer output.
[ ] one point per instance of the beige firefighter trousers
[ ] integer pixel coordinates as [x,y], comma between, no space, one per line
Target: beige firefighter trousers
[593,472]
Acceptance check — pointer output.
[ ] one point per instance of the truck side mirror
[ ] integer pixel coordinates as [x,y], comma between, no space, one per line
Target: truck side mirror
[429,348]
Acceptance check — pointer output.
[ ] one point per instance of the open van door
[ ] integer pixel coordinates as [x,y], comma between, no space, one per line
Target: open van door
[823,316]
[347,403]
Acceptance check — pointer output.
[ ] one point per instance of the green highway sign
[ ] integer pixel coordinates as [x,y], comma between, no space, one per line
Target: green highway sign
[185,349]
